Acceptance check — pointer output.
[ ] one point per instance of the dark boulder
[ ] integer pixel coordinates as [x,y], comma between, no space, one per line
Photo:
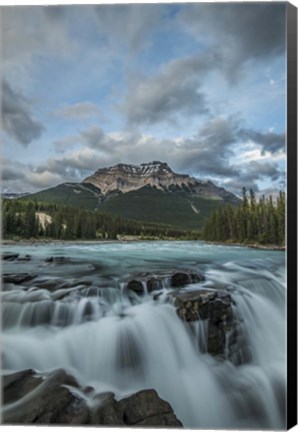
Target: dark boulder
[136,286]
[58,260]
[180,279]
[42,401]
[49,259]
[148,282]
[146,408]
[30,398]
[17,278]
[18,384]
[153,284]
[9,256]
[108,413]
[216,307]
[144,283]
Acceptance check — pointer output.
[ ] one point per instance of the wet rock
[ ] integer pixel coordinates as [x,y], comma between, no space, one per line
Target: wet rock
[180,279]
[216,307]
[50,284]
[55,284]
[30,398]
[108,413]
[136,286]
[88,390]
[146,408]
[153,284]
[59,259]
[18,384]
[49,259]
[17,278]
[9,256]
[144,283]
[43,401]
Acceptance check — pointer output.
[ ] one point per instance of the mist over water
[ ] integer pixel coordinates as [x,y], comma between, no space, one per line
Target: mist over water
[77,315]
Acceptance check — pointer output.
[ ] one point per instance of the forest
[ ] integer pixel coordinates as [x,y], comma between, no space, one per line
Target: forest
[253,221]
[30,219]
[259,221]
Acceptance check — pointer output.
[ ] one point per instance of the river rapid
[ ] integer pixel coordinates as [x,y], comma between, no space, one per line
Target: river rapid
[76,314]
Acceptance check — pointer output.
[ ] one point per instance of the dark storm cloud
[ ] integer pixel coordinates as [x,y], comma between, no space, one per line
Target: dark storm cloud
[270,141]
[13,175]
[263,169]
[95,137]
[251,173]
[56,166]
[212,147]
[236,185]
[17,118]
[210,154]
[240,31]
[174,91]
[10,173]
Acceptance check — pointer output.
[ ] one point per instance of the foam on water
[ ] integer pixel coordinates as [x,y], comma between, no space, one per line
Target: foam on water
[123,344]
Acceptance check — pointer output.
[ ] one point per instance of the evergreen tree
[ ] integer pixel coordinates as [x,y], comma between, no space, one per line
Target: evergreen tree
[252,221]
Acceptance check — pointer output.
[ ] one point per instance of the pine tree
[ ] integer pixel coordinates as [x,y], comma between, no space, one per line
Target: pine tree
[252,221]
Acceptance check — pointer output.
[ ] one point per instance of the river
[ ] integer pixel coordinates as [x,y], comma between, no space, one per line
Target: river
[75,314]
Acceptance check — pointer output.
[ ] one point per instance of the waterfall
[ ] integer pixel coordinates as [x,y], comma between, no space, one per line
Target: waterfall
[114,342]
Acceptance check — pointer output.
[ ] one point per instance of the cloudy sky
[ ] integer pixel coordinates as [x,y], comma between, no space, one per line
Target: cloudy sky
[200,86]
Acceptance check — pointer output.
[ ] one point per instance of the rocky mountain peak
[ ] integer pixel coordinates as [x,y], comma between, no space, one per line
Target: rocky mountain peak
[123,178]
[126,177]
[142,169]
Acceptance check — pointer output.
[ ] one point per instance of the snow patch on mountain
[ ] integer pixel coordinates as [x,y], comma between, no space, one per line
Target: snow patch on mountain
[123,178]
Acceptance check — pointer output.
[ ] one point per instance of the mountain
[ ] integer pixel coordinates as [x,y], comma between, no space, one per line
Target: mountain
[149,192]
[123,178]
[72,194]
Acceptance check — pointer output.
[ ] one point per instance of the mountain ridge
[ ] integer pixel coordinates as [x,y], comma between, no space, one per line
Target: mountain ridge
[150,192]
[123,178]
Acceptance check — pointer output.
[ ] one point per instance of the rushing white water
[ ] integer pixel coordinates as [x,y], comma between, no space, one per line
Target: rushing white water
[75,315]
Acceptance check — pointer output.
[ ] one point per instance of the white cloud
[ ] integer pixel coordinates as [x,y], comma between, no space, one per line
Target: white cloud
[43,180]
[240,32]
[17,117]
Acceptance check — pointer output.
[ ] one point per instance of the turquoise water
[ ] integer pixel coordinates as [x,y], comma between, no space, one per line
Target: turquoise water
[76,314]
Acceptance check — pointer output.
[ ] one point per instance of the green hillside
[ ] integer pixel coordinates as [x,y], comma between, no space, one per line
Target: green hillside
[72,194]
[152,205]
[177,207]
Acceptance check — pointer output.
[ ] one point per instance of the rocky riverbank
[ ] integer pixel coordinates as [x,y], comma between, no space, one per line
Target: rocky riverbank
[249,245]
[57,398]
[37,293]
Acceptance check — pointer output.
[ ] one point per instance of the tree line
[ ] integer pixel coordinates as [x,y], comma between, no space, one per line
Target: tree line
[253,221]
[30,219]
